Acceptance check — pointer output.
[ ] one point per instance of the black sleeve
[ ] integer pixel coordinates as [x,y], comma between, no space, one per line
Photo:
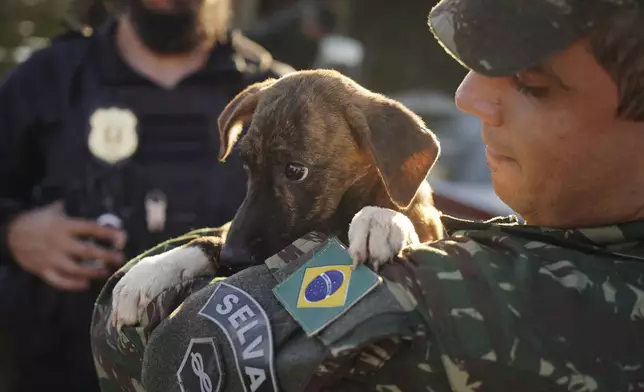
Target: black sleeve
[25,97]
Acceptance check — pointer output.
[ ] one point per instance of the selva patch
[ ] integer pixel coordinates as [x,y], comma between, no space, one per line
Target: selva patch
[248,330]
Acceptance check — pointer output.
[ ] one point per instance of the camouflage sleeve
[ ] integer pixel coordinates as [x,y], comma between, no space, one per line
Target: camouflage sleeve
[242,333]
[531,309]
[509,308]
[487,309]
[118,354]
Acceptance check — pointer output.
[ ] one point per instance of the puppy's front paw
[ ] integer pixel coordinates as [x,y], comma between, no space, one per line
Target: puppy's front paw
[378,235]
[151,277]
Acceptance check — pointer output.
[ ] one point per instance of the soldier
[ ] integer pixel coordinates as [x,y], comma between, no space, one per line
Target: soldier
[112,128]
[553,305]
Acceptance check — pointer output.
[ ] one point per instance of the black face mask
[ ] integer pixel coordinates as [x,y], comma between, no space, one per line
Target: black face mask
[174,32]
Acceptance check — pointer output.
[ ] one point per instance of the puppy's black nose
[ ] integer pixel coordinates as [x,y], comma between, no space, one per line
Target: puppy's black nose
[235,257]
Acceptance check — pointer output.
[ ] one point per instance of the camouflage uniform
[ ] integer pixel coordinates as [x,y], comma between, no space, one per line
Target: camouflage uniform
[497,306]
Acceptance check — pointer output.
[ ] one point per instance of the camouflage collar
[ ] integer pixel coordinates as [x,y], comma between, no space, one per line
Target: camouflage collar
[619,234]
[621,240]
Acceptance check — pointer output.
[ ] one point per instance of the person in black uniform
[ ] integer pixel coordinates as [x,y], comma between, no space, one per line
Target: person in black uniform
[108,145]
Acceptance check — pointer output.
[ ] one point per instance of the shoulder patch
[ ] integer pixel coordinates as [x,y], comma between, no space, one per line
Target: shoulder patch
[248,330]
[200,364]
[325,287]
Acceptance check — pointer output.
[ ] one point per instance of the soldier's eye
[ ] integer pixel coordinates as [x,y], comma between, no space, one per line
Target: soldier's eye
[296,172]
[530,84]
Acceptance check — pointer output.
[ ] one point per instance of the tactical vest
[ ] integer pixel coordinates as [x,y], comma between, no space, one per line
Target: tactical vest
[176,158]
[175,161]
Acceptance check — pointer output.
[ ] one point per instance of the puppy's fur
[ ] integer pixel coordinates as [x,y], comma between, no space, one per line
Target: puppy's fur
[318,150]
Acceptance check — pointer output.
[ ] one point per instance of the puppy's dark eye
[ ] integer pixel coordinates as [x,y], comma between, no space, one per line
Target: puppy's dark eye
[296,172]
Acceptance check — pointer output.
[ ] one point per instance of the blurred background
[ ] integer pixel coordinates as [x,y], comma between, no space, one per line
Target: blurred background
[384,45]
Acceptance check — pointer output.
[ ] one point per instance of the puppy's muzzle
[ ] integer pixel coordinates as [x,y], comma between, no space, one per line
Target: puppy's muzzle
[235,257]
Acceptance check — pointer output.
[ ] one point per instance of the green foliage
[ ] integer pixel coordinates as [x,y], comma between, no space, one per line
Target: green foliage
[26,25]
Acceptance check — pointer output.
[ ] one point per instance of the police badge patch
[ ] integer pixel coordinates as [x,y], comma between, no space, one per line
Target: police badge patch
[113,136]
[248,330]
[200,363]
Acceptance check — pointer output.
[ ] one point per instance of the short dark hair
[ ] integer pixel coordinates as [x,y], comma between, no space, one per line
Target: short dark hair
[618,46]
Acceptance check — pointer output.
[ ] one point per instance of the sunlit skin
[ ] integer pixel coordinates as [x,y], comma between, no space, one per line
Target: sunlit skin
[558,153]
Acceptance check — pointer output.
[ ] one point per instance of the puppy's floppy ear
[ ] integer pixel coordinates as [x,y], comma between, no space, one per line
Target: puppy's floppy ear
[403,149]
[238,112]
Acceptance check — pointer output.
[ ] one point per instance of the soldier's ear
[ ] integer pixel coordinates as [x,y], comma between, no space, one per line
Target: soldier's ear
[236,114]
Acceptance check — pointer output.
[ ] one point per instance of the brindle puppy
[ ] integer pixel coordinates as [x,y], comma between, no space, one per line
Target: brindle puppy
[318,150]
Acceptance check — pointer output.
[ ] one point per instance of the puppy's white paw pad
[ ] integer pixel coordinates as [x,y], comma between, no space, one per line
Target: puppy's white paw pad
[379,234]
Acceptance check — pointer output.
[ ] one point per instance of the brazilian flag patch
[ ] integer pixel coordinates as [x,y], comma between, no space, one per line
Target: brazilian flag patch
[325,287]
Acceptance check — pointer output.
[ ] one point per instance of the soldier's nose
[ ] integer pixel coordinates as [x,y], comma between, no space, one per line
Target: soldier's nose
[235,257]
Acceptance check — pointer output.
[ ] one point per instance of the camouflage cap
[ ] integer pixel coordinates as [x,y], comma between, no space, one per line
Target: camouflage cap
[502,37]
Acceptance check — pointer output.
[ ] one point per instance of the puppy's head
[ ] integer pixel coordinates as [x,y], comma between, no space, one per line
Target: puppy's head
[318,148]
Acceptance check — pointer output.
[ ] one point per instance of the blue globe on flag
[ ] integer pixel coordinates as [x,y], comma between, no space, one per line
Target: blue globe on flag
[324,285]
